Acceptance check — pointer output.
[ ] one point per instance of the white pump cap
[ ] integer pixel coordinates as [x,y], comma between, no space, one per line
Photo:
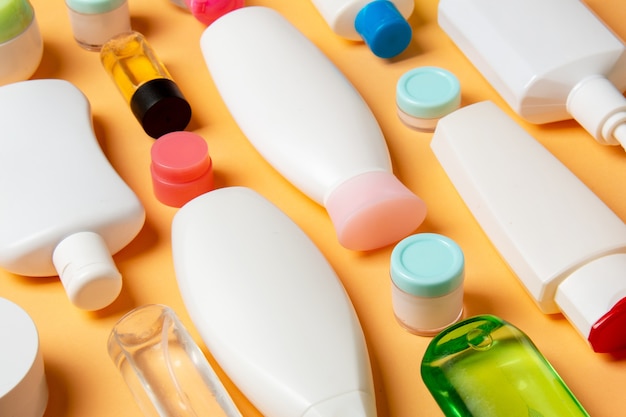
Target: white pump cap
[87,271]
[600,108]
[593,298]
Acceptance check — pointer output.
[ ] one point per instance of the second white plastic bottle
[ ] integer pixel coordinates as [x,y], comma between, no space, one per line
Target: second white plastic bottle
[310,124]
[270,308]
[64,210]
[550,60]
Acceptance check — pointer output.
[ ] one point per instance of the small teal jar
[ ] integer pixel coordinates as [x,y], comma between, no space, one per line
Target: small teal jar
[427,273]
[94,22]
[426,94]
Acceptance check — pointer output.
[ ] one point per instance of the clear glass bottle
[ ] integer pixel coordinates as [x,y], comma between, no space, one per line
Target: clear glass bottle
[145,83]
[486,367]
[167,373]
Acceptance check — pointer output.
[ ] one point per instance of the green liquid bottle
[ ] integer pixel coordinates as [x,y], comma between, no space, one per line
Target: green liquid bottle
[485,367]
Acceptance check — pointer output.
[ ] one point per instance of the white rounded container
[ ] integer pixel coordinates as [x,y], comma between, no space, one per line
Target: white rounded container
[65,210]
[23,386]
[21,45]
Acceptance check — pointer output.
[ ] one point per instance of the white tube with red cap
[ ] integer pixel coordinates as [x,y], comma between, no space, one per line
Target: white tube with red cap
[564,244]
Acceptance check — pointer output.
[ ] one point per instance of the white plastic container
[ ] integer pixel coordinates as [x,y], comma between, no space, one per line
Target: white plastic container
[380,23]
[23,385]
[550,60]
[311,125]
[63,208]
[564,244]
[270,308]
[21,44]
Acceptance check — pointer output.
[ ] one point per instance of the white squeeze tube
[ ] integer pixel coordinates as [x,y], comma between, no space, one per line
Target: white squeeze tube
[270,308]
[549,60]
[64,210]
[381,24]
[308,121]
[564,244]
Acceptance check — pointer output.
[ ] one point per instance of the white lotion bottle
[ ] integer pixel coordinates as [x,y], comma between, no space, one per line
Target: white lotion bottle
[564,244]
[308,121]
[63,208]
[381,24]
[549,60]
[270,308]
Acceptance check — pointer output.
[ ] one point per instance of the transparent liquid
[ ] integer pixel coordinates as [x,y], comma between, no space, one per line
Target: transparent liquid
[164,368]
[484,367]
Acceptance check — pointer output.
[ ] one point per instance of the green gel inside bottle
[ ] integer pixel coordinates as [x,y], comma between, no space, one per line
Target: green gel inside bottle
[486,367]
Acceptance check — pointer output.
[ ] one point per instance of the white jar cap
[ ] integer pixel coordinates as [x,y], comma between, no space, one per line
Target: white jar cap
[23,387]
[87,270]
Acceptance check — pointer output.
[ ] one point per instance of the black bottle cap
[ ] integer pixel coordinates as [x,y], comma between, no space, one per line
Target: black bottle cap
[160,107]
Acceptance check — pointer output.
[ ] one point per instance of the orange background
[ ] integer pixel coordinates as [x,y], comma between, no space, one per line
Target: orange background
[82,378]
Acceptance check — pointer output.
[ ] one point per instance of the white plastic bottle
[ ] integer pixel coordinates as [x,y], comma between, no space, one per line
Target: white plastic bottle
[564,244]
[549,60]
[270,308]
[63,208]
[310,124]
[381,24]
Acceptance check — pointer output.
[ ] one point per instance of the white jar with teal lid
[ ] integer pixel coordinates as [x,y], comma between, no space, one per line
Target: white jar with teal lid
[21,45]
[427,274]
[426,94]
[96,21]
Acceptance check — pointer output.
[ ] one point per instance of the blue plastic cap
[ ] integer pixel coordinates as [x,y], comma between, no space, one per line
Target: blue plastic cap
[383,28]
[427,265]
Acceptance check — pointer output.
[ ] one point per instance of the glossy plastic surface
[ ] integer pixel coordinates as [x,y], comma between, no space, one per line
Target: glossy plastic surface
[486,367]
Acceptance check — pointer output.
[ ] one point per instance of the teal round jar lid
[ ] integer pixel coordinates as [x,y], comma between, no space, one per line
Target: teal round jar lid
[428,92]
[93,6]
[427,265]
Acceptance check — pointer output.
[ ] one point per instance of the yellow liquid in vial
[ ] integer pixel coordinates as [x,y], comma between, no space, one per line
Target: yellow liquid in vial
[131,62]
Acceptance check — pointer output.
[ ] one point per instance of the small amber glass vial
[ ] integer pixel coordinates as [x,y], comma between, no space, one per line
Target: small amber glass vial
[146,85]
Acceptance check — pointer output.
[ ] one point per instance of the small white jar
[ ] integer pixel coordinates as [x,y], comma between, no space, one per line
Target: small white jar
[427,273]
[23,386]
[96,21]
[426,94]
[21,45]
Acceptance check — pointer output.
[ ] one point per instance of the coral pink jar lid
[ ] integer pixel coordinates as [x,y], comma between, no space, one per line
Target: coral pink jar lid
[181,168]
[180,156]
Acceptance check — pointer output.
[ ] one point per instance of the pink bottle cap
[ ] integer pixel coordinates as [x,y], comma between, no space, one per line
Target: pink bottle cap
[181,168]
[373,210]
[207,11]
